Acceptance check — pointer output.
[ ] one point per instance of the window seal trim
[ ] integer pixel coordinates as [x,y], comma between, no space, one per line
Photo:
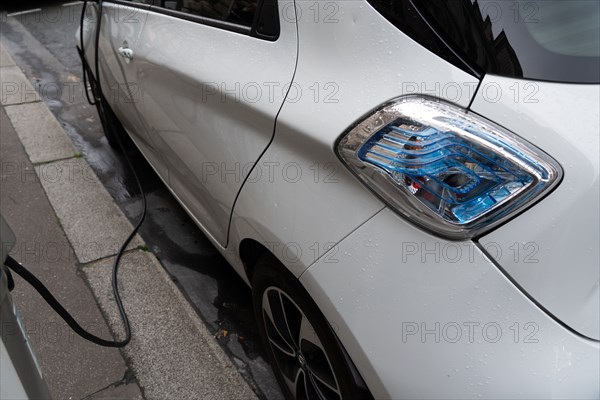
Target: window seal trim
[215,23]
[473,69]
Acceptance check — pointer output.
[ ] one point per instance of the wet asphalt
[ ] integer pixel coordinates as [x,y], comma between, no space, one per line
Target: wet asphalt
[45,51]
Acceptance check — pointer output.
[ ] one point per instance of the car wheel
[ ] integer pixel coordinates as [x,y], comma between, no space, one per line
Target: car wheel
[304,352]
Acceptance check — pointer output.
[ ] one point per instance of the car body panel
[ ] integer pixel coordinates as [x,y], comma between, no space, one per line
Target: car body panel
[295,187]
[211,107]
[423,317]
[337,82]
[551,250]
[334,86]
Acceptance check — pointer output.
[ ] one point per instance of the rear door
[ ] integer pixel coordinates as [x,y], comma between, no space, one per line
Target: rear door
[213,76]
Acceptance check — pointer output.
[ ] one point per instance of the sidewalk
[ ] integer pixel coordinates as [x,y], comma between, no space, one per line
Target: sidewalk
[68,230]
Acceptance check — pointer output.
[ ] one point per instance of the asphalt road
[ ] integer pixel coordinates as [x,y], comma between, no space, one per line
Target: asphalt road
[46,53]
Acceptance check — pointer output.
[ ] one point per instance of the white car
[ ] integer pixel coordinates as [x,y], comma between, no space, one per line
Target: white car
[411,188]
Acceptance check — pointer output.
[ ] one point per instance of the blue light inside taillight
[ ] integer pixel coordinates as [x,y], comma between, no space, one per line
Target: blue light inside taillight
[445,169]
[452,174]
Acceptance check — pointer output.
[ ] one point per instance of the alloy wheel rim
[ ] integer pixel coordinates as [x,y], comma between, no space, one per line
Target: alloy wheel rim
[297,349]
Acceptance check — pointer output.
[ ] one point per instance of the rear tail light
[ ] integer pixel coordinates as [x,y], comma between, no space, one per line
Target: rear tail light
[447,170]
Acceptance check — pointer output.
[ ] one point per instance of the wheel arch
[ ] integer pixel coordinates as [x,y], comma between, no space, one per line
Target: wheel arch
[250,251]
[254,254]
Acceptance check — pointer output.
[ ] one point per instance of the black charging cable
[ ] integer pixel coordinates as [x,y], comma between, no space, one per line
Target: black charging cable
[39,286]
[82,53]
[60,310]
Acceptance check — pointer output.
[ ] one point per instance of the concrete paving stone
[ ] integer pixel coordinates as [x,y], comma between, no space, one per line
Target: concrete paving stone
[15,88]
[41,134]
[172,353]
[5,58]
[119,391]
[72,367]
[94,224]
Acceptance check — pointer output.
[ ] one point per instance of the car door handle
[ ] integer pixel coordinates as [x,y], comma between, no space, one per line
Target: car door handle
[126,52]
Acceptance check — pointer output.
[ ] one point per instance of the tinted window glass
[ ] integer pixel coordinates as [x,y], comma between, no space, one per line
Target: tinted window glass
[542,40]
[239,12]
[409,20]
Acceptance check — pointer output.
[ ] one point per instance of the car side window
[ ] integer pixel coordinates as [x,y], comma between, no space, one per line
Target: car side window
[239,12]
[257,18]
[554,41]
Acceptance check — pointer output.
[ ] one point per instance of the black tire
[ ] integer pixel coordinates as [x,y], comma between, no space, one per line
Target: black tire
[321,368]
